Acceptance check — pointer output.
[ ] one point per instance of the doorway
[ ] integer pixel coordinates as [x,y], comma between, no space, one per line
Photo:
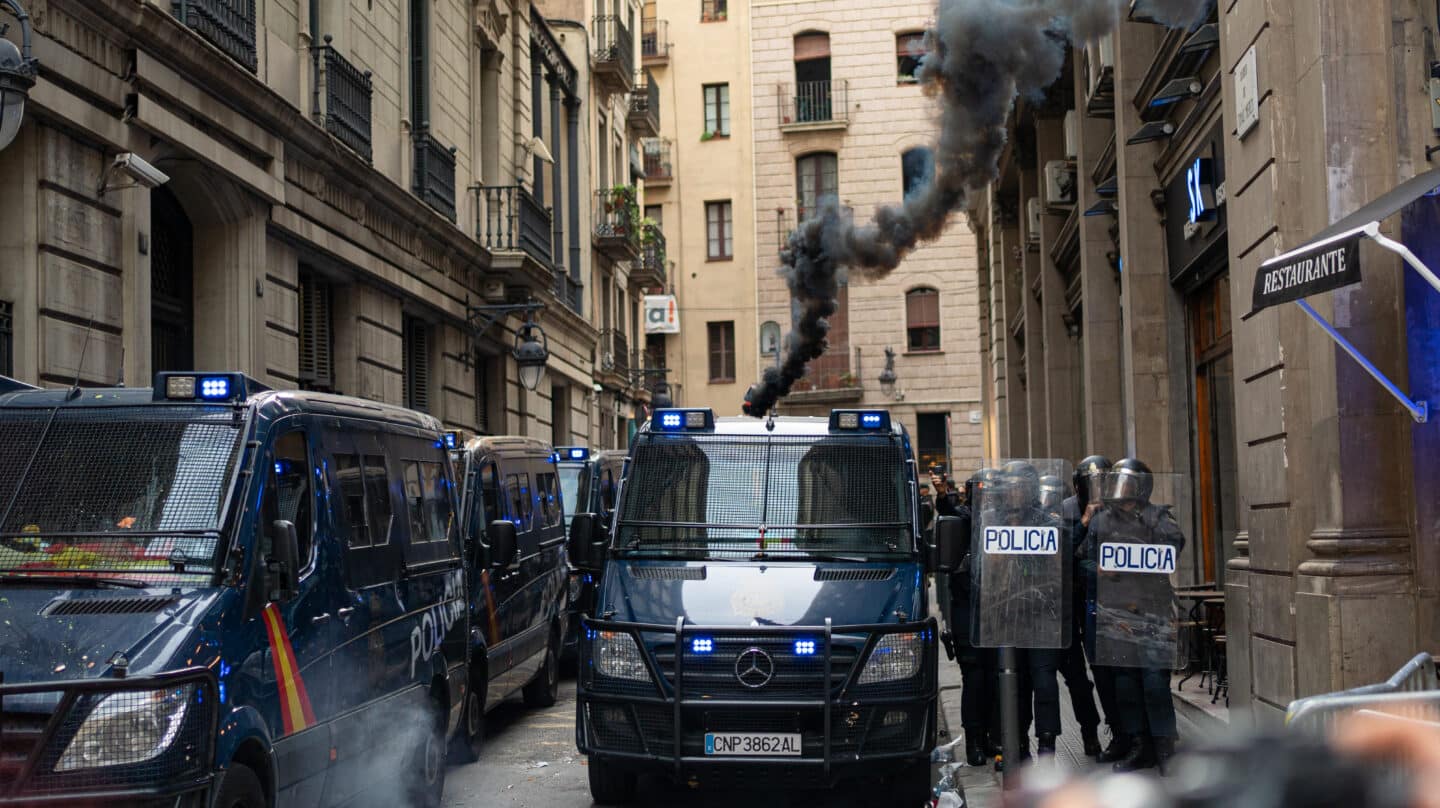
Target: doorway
[1208,315]
[172,284]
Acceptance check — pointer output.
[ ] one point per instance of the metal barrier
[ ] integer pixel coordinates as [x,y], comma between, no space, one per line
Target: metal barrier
[1413,693]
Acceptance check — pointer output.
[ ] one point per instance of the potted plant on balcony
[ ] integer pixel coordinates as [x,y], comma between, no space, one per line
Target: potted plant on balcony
[621,201]
[846,379]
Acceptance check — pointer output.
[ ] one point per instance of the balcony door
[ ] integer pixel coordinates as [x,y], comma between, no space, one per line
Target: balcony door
[812,77]
[817,180]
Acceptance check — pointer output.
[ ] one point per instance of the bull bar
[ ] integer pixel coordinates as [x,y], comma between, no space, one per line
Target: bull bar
[37,780]
[671,693]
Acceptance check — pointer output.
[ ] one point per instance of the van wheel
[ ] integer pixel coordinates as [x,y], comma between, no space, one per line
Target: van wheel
[610,786]
[544,689]
[911,786]
[466,745]
[239,788]
[425,770]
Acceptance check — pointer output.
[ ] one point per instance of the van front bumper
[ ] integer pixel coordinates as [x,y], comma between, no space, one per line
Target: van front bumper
[39,720]
[847,729]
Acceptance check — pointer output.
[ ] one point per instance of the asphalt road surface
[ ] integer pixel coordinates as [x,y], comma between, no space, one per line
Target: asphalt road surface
[530,760]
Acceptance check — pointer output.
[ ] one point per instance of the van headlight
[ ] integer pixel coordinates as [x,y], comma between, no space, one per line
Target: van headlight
[127,728]
[896,656]
[617,656]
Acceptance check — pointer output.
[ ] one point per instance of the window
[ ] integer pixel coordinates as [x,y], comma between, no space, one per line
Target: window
[813,99]
[289,495]
[317,338]
[932,441]
[416,336]
[713,10]
[655,213]
[722,351]
[717,110]
[922,319]
[908,50]
[549,492]
[365,490]
[719,224]
[917,169]
[420,64]
[770,339]
[429,509]
[490,493]
[7,338]
[817,183]
[522,513]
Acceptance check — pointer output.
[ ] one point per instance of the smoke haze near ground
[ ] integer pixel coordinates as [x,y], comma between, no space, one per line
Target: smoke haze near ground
[980,56]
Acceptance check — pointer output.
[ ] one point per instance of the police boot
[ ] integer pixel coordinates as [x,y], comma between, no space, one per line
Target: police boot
[1091,739]
[1118,749]
[1046,745]
[975,752]
[1142,756]
[1164,750]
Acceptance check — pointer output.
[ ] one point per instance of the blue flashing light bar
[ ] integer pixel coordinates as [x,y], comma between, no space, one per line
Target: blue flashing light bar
[702,645]
[573,453]
[452,439]
[860,420]
[804,648]
[207,387]
[214,388]
[696,420]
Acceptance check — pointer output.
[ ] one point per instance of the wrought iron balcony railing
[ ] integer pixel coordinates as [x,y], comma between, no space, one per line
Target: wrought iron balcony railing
[659,170]
[569,290]
[654,41]
[434,180]
[617,222]
[615,353]
[342,99]
[650,269]
[614,53]
[227,24]
[812,103]
[830,372]
[508,219]
[644,115]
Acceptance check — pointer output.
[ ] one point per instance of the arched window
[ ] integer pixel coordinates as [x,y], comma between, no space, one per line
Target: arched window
[817,180]
[917,168]
[922,319]
[769,339]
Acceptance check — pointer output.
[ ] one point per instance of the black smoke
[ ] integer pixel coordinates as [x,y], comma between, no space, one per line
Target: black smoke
[980,56]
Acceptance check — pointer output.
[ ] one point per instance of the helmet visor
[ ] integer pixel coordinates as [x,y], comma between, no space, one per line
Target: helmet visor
[1122,485]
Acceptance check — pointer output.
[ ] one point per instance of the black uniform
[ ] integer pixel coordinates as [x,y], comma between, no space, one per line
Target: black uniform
[978,705]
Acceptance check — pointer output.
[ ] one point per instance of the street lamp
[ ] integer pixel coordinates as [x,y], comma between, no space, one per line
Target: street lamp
[531,354]
[17,75]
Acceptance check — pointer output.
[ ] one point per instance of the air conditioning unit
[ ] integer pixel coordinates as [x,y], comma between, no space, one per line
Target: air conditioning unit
[1072,134]
[1059,182]
[1100,53]
[1032,219]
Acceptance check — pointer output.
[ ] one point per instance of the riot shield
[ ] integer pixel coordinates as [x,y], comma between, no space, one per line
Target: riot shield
[1133,550]
[1021,557]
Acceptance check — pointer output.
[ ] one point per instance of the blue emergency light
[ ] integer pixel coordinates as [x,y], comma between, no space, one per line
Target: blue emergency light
[452,439]
[695,420]
[860,420]
[574,453]
[209,387]
[702,645]
[804,648]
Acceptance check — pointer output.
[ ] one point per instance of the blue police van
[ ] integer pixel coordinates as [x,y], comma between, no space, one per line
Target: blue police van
[212,593]
[590,482]
[763,616]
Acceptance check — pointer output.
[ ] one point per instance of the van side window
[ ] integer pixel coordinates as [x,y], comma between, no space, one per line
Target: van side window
[490,492]
[548,489]
[365,488]
[352,493]
[518,486]
[289,494]
[425,493]
[377,500]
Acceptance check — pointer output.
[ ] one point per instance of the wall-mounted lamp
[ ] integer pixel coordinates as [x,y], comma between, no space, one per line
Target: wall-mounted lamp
[532,347]
[888,378]
[17,75]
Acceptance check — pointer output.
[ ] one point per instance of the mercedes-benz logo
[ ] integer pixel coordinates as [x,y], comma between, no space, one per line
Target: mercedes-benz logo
[754,668]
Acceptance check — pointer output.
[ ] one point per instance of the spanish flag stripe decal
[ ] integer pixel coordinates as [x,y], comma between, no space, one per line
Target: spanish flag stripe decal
[294,701]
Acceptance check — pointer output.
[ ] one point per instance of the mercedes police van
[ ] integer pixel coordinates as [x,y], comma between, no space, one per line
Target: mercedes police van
[763,617]
[212,593]
[589,482]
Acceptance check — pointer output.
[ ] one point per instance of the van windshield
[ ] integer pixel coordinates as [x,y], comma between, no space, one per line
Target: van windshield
[570,488]
[123,492]
[742,496]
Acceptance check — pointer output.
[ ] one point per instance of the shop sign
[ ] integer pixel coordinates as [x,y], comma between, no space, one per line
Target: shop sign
[1326,266]
[662,315]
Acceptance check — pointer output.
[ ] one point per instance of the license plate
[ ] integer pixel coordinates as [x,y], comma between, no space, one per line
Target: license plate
[753,743]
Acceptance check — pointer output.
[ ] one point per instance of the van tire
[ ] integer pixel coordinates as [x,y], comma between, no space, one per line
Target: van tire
[469,740]
[609,785]
[911,786]
[425,767]
[544,689]
[239,787]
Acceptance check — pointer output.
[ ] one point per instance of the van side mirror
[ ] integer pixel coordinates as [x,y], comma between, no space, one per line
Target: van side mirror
[951,541]
[585,552]
[503,543]
[282,568]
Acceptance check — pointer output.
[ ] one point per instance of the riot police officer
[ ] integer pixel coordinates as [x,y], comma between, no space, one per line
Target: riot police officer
[977,669]
[1142,689]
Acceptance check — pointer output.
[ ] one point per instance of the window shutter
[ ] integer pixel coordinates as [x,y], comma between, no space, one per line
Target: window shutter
[417,365]
[812,46]
[317,368]
[910,45]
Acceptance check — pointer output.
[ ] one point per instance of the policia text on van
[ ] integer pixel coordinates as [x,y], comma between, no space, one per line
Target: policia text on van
[762,618]
[210,587]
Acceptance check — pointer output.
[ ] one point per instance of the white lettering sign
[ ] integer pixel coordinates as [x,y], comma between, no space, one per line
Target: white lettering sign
[1153,558]
[1247,95]
[1022,541]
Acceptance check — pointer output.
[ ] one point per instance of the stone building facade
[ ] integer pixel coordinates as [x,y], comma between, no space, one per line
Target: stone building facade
[837,115]
[346,180]
[1120,320]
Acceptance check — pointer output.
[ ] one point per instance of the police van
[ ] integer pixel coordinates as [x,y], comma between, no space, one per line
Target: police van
[589,482]
[215,593]
[763,616]
[513,519]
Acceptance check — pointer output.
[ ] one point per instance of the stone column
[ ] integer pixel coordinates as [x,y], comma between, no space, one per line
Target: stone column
[537,127]
[1028,277]
[557,175]
[1006,283]
[135,249]
[1061,362]
[572,178]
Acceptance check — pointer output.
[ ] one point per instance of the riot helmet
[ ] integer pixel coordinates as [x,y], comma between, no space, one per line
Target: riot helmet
[1020,485]
[1089,477]
[1052,493]
[983,486]
[1128,481]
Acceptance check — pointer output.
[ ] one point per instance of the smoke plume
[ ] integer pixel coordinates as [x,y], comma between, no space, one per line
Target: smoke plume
[980,56]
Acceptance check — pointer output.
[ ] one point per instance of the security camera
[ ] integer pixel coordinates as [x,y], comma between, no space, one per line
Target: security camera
[142,172]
